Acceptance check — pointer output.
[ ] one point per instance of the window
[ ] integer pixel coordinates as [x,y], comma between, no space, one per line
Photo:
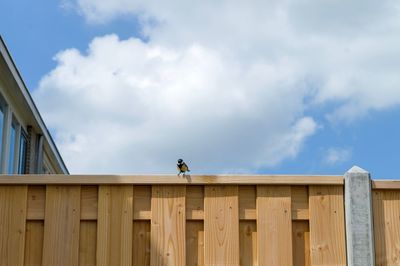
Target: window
[23,143]
[11,154]
[1,131]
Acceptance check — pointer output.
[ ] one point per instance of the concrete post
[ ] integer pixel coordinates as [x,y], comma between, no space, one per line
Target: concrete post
[359,227]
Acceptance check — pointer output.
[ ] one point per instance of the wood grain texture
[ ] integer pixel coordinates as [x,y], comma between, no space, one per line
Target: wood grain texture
[114,225]
[168,225]
[61,225]
[301,243]
[141,202]
[195,202]
[385,184]
[248,243]
[274,225]
[386,206]
[34,243]
[221,225]
[247,203]
[327,229]
[89,197]
[141,243]
[13,200]
[36,202]
[87,243]
[173,179]
[194,243]
[300,209]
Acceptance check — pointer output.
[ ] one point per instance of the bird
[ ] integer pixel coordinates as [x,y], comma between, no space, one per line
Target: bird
[182,167]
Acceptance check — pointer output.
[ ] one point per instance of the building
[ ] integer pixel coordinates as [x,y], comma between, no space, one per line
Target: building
[26,144]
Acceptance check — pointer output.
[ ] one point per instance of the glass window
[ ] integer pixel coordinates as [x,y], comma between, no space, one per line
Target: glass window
[11,154]
[22,153]
[1,132]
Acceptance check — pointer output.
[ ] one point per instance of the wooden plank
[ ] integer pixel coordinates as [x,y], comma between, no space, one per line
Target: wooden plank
[89,196]
[327,230]
[247,203]
[248,243]
[12,224]
[36,202]
[141,202]
[274,225]
[114,225]
[168,225]
[34,243]
[194,243]
[301,243]
[385,184]
[195,203]
[141,243]
[87,243]
[173,179]
[386,206]
[300,203]
[61,226]
[221,225]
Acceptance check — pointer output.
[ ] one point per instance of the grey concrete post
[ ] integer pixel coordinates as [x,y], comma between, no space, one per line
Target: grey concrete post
[359,227]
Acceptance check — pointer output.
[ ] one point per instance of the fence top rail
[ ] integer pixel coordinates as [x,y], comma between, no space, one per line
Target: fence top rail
[172,179]
[386,184]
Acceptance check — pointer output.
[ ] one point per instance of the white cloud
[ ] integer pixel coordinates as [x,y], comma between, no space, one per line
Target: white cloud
[128,106]
[337,155]
[221,84]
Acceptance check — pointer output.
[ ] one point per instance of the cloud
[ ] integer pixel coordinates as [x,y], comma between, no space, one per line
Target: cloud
[335,156]
[226,86]
[128,106]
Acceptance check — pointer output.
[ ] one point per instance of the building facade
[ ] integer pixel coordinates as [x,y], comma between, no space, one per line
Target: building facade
[25,142]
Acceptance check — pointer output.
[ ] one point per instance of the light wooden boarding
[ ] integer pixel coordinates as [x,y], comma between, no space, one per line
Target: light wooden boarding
[61,226]
[141,243]
[12,224]
[36,202]
[301,243]
[87,243]
[386,206]
[194,243]
[386,184]
[221,225]
[173,179]
[34,242]
[114,225]
[141,202]
[327,229]
[274,225]
[168,226]
[248,243]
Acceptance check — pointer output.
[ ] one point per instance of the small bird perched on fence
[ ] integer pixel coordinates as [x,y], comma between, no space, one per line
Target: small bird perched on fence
[182,167]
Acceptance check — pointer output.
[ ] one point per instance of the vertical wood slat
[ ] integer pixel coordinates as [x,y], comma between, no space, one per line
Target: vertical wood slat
[13,201]
[34,243]
[327,229]
[221,225]
[61,225]
[168,225]
[141,243]
[36,202]
[114,225]
[386,206]
[194,243]
[274,225]
[248,243]
[87,243]
[301,243]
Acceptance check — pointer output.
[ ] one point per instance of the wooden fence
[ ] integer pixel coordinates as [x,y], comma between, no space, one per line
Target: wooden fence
[201,220]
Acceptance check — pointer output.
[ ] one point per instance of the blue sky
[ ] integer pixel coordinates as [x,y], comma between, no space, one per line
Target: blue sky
[128,87]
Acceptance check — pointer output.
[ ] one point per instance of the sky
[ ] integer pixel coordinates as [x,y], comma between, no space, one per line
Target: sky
[258,87]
